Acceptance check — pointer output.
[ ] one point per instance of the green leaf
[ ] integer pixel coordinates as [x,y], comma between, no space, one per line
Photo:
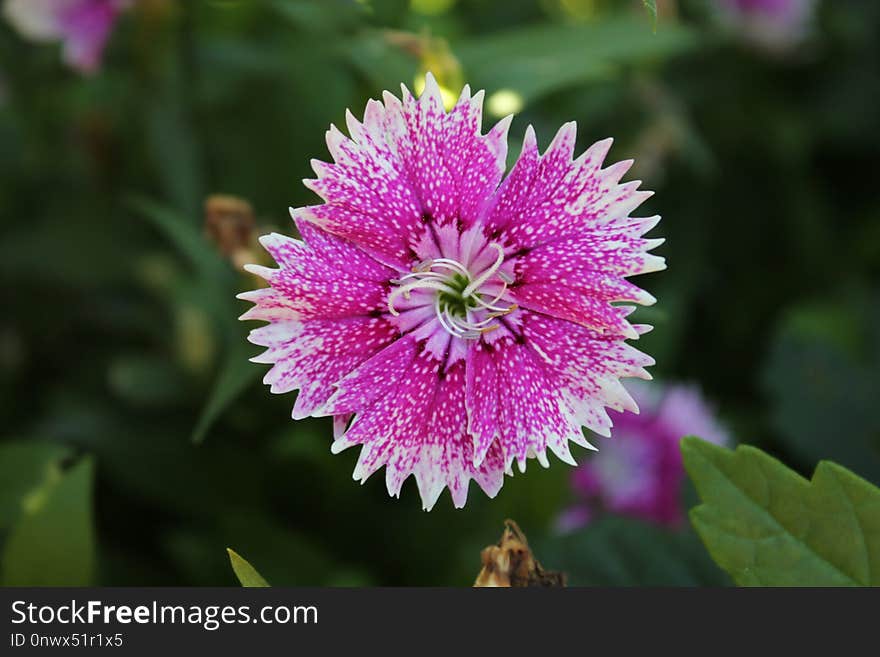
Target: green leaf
[53,543]
[236,374]
[246,573]
[23,467]
[768,526]
[172,142]
[651,6]
[537,60]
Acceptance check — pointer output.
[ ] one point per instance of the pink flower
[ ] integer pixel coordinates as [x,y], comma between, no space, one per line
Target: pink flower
[771,24]
[82,25]
[640,472]
[452,323]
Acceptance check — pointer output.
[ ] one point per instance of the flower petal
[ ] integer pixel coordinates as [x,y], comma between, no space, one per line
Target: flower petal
[321,304]
[312,356]
[324,277]
[407,161]
[590,366]
[548,197]
[560,375]
[567,227]
[513,397]
[575,305]
[410,417]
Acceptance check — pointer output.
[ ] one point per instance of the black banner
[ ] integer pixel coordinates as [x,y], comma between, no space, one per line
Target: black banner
[135,621]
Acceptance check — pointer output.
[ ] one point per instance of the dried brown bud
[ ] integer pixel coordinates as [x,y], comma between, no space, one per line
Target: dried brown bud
[229,224]
[511,563]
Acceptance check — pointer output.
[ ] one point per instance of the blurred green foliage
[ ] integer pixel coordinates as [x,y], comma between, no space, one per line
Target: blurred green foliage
[52,540]
[137,441]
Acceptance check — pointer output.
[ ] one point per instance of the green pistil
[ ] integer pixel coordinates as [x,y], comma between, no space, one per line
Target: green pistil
[454,302]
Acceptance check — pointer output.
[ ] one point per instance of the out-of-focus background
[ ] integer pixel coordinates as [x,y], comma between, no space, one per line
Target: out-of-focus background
[137,440]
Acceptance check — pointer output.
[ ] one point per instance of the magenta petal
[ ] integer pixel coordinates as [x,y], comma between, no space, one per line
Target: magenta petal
[320,304]
[406,160]
[312,356]
[531,420]
[513,193]
[575,306]
[549,196]
[368,198]
[602,251]
[374,378]
[324,277]
[453,168]
[413,424]
[590,365]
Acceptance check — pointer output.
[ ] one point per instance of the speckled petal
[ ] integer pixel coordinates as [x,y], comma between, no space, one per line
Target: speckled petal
[453,167]
[406,160]
[567,226]
[528,411]
[313,355]
[549,196]
[590,365]
[320,307]
[575,305]
[411,419]
[322,278]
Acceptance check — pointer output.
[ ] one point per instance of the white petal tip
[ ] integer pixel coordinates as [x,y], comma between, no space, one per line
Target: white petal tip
[269,238]
[258,270]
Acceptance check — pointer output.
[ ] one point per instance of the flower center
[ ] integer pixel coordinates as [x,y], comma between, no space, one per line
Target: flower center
[460,306]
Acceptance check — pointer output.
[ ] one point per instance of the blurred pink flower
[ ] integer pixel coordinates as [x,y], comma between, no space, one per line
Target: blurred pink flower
[775,25]
[639,471]
[83,26]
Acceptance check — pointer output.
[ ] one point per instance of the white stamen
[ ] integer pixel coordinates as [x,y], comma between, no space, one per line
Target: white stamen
[404,290]
[426,277]
[486,275]
[452,264]
[491,304]
[467,334]
[448,322]
[476,325]
[421,275]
